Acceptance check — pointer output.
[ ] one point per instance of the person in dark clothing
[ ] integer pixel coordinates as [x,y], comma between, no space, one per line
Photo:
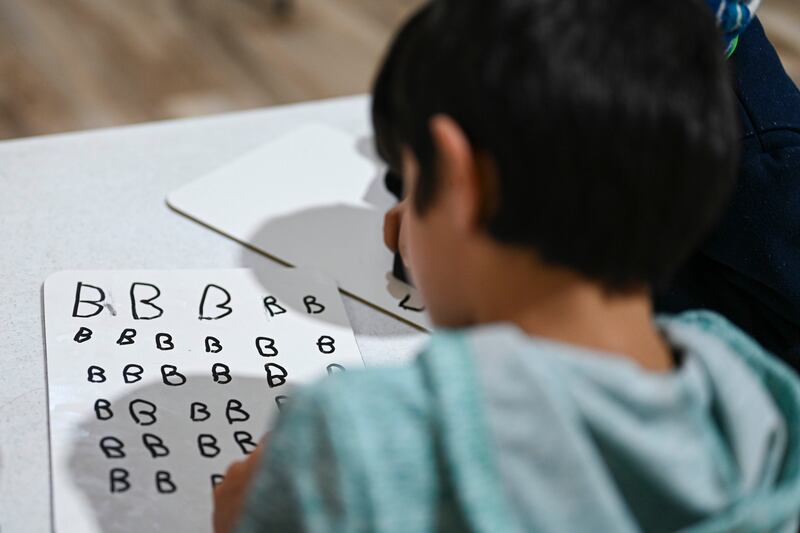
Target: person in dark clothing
[749,269]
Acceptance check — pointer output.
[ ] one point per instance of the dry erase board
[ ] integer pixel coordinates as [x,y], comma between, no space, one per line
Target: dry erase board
[314,198]
[157,380]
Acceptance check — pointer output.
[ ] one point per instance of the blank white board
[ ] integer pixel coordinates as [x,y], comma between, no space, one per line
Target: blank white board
[157,380]
[313,198]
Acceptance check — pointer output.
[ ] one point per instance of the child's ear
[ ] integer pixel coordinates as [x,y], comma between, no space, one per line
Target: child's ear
[458,170]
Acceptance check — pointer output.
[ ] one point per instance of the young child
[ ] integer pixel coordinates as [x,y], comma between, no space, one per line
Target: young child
[747,269]
[559,158]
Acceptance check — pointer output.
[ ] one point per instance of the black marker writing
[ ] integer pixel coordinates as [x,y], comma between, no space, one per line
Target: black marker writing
[126,337]
[96,304]
[272,306]
[164,484]
[266,347]
[276,375]
[155,445]
[405,305]
[142,412]
[102,409]
[325,344]
[96,374]
[112,447]
[132,373]
[151,293]
[333,368]
[213,345]
[221,373]
[83,335]
[245,441]
[170,376]
[164,341]
[313,307]
[235,413]
[199,412]
[220,294]
[207,444]
[280,400]
[119,480]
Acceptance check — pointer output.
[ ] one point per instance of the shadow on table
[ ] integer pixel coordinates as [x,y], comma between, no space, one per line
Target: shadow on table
[319,232]
[163,447]
[314,236]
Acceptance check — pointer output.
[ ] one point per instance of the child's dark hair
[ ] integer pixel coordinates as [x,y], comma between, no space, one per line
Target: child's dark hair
[611,123]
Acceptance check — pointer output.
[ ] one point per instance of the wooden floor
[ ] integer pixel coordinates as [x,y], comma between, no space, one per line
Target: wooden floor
[76,64]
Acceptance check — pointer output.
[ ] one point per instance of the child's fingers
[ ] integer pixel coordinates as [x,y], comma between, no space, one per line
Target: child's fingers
[230,495]
[253,459]
[392,222]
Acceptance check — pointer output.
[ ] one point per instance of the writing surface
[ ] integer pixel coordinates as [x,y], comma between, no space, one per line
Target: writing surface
[157,380]
[313,198]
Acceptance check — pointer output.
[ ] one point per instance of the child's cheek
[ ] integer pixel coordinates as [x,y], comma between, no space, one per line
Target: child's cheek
[410,226]
[423,251]
[419,253]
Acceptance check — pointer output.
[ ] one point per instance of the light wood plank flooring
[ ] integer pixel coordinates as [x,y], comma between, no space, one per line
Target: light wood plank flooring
[76,64]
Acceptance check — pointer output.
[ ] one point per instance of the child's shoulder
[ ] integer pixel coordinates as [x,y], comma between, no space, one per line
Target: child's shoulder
[718,328]
[450,362]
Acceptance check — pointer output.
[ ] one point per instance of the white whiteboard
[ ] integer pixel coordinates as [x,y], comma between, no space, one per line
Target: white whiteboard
[313,198]
[141,423]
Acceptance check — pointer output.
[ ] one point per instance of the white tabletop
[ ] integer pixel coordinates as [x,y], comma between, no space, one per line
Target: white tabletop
[95,200]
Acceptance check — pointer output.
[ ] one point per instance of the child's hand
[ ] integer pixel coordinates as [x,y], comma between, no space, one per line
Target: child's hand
[230,495]
[393,234]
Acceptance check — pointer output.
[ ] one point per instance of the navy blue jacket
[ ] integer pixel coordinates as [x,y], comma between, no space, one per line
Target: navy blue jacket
[749,270]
